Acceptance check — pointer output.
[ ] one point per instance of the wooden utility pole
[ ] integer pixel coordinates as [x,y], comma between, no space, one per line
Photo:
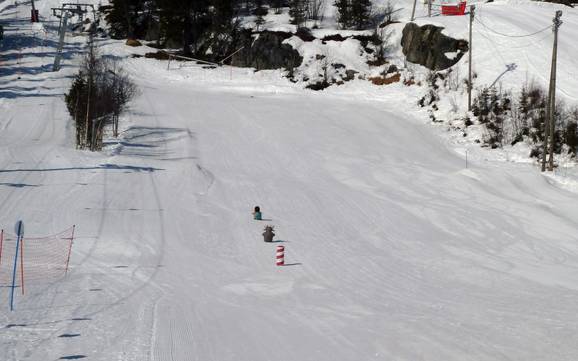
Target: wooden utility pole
[546,131]
[472,10]
[552,92]
[413,10]
[429,8]
[33,17]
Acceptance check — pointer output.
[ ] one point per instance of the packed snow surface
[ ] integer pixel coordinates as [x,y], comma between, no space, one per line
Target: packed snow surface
[394,248]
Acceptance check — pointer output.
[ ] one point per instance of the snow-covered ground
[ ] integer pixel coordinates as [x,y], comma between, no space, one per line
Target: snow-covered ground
[512,47]
[394,249]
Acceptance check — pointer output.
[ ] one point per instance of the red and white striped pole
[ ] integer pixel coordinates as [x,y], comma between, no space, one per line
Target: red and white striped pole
[280,255]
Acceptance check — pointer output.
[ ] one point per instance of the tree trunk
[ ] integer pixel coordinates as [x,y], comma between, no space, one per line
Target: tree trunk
[187,32]
[127,15]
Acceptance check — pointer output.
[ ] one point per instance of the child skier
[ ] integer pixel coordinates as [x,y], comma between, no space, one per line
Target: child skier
[257,214]
[268,234]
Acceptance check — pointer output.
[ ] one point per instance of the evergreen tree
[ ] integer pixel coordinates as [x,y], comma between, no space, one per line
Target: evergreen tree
[259,21]
[343,13]
[186,21]
[297,12]
[76,101]
[224,29]
[223,13]
[360,14]
[122,17]
[277,5]
[572,136]
[259,11]
[353,13]
[523,106]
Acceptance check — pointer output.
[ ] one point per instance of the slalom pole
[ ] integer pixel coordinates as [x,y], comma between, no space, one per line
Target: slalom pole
[69,249]
[15,265]
[1,242]
[22,265]
[280,256]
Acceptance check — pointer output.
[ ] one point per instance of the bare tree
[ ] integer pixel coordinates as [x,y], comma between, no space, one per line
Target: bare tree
[384,15]
[122,90]
[98,95]
[316,10]
[385,45]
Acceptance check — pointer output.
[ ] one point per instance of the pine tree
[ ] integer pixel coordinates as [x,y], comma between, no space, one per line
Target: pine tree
[224,28]
[123,16]
[523,106]
[259,21]
[277,5]
[297,12]
[353,13]
[76,105]
[360,13]
[259,11]
[571,136]
[223,13]
[343,13]
[186,21]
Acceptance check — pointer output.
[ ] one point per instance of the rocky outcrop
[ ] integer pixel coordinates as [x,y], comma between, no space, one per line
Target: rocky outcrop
[266,50]
[427,46]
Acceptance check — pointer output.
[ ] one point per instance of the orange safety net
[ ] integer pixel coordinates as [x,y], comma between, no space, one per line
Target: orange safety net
[40,259]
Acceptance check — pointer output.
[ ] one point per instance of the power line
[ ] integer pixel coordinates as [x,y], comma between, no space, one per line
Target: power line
[506,43]
[513,36]
[533,42]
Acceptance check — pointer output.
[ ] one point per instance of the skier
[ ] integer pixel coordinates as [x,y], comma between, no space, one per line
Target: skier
[257,214]
[268,234]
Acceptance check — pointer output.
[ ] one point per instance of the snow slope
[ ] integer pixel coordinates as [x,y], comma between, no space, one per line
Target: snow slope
[395,250]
